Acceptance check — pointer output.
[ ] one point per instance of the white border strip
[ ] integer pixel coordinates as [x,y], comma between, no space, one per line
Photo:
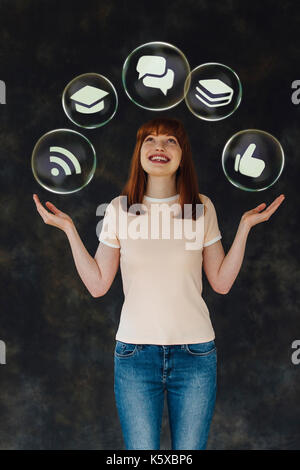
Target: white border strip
[213,241]
[108,244]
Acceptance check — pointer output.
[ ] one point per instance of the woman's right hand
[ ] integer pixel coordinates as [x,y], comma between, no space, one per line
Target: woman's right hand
[58,219]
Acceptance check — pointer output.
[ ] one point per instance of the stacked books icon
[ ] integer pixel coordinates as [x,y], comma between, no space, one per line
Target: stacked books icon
[213,92]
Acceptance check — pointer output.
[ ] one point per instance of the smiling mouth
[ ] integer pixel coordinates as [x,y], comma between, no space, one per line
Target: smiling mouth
[159,158]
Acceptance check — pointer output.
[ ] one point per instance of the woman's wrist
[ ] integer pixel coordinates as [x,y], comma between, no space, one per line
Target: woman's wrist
[69,228]
[244,226]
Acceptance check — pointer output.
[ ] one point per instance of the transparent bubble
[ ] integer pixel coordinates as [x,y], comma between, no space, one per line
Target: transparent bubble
[252,160]
[212,91]
[63,161]
[154,75]
[90,100]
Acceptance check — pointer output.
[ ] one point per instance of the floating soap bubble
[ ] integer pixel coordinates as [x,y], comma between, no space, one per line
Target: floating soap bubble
[252,160]
[212,91]
[154,75]
[90,100]
[63,161]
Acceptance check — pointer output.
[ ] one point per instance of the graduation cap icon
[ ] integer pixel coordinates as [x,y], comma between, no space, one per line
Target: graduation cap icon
[89,99]
[213,92]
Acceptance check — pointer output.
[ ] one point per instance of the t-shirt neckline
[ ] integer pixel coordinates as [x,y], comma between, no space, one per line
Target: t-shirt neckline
[164,199]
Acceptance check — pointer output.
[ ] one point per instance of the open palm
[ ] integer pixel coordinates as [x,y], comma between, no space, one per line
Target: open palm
[258,215]
[56,218]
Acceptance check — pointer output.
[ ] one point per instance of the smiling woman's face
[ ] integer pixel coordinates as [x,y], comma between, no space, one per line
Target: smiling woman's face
[164,145]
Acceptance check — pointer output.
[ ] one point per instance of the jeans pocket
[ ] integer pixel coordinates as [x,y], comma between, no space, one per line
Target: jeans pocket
[201,349]
[125,349]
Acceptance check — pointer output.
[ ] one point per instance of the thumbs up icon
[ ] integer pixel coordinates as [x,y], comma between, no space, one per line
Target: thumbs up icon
[247,164]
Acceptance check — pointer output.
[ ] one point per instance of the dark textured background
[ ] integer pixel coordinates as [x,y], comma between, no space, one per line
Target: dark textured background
[56,390]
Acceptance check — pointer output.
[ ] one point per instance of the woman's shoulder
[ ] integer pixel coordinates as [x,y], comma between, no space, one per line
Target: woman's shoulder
[116,200]
[112,204]
[204,199]
[208,204]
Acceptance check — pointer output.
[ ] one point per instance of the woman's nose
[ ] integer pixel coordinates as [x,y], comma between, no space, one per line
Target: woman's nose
[160,146]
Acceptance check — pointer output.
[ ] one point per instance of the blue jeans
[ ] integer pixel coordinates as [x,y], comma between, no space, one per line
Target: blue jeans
[188,374]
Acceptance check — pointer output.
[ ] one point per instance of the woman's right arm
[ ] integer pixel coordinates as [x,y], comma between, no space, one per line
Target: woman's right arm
[97,273]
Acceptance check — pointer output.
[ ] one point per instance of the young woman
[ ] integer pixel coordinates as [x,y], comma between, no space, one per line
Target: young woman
[165,341]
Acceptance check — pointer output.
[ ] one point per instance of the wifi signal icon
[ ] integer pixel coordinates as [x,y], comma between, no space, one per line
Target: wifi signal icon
[64,165]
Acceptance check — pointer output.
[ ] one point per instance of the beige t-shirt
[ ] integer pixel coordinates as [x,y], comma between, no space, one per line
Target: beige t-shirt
[162,276]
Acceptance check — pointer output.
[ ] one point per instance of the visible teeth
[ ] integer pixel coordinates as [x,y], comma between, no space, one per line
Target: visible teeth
[159,158]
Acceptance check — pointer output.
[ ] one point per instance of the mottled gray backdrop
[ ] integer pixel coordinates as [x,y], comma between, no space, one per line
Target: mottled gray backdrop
[56,389]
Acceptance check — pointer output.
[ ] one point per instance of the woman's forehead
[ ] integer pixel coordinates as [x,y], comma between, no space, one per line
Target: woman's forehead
[160,135]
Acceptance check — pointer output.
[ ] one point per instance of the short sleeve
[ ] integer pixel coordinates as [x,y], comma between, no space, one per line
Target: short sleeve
[211,228]
[108,234]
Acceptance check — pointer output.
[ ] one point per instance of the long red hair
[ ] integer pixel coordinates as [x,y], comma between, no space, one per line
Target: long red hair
[186,177]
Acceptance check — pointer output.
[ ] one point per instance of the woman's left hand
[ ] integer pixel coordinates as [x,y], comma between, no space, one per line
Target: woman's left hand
[255,216]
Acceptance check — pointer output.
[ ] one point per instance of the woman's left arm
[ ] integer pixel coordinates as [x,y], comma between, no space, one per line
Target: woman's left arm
[225,272]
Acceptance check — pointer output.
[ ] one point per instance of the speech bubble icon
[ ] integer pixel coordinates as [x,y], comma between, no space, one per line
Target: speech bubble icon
[163,83]
[151,64]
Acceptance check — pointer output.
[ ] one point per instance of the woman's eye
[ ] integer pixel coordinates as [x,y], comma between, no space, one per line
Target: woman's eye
[151,138]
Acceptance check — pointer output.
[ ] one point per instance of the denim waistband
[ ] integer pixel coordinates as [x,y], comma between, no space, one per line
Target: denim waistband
[165,346]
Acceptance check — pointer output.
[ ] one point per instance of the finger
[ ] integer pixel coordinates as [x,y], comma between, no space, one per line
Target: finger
[274,206]
[276,202]
[41,209]
[35,197]
[257,209]
[41,214]
[260,207]
[52,207]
